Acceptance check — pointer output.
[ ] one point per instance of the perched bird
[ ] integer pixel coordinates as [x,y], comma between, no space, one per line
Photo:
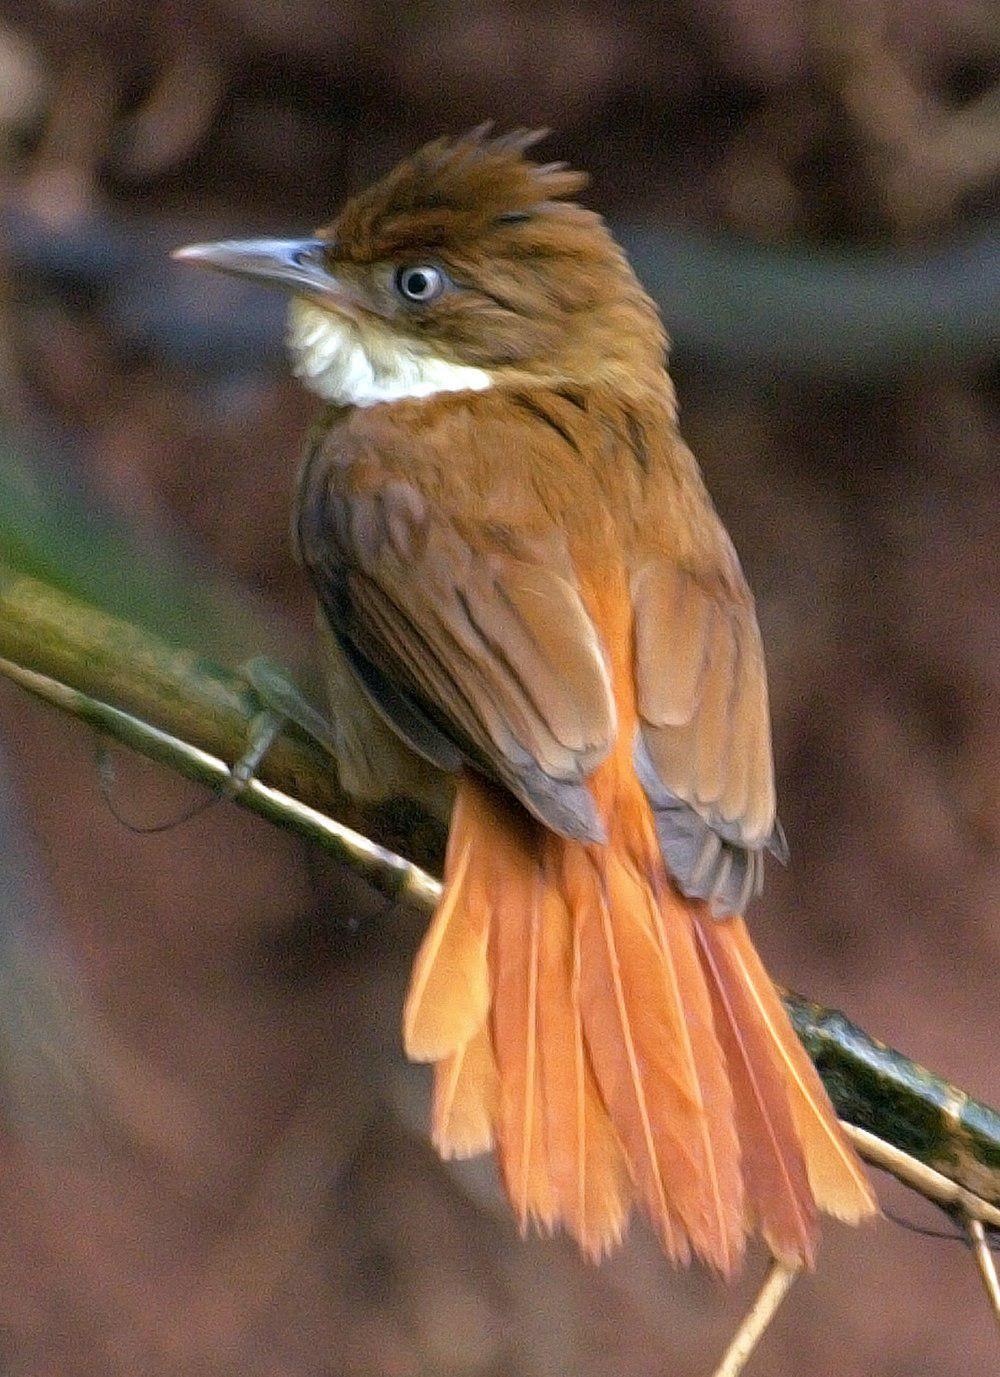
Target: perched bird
[527,589]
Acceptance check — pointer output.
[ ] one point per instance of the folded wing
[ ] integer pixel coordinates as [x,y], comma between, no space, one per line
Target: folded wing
[475,646]
[704,746]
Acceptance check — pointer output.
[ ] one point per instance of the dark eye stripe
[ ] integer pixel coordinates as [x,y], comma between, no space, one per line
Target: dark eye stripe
[502,302]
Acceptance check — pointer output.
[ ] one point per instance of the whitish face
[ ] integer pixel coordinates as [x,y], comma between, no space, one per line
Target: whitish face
[357,363]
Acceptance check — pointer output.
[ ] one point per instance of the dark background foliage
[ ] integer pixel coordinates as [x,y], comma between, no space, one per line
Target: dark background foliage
[213,1155]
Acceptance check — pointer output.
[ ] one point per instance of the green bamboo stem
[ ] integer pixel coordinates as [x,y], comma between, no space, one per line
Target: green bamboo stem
[886,1094]
[69,641]
[194,717]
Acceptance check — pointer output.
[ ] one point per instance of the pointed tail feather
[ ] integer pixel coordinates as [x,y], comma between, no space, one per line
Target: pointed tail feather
[515,952]
[779,1198]
[449,997]
[589,1176]
[465,1103]
[684,1161]
[836,1176]
[721,1155]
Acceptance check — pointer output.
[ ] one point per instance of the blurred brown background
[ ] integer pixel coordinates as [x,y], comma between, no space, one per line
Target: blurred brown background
[213,1156]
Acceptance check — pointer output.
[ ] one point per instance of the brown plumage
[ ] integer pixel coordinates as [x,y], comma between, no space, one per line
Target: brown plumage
[524,577]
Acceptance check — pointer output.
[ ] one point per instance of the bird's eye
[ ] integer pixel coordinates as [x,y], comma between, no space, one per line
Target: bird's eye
[419,282]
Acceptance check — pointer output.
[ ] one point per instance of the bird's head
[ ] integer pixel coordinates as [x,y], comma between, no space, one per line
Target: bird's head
[466,266]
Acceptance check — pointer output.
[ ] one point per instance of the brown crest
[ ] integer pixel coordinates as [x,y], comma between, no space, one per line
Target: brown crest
[450,191]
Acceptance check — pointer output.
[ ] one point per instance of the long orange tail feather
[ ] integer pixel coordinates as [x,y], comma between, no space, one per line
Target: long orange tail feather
[719,1139]
[515,956]
[685,1162]
[616,1042]
[589,1176]
[778,1196]
[466,1099]
[836,1176]
[449,996]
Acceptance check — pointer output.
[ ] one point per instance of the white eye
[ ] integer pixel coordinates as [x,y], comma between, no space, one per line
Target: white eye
[419,282]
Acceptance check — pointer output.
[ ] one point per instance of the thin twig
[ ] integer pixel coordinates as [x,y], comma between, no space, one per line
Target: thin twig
[986,1263]
[776,1286]
[386,871]
[931,1184]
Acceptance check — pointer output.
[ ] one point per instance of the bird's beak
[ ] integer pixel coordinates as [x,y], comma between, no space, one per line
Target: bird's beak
[298,264]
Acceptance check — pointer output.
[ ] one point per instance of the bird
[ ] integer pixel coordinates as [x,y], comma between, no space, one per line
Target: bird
[528,600]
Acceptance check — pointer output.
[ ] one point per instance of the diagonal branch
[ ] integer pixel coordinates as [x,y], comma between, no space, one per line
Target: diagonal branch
[986,1263]
[194,717]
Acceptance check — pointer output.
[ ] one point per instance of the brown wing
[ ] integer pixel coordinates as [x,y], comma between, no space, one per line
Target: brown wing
[704,750]
[475,646]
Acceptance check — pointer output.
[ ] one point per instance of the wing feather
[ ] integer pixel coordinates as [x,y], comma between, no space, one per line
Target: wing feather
[704,750]
[457,635]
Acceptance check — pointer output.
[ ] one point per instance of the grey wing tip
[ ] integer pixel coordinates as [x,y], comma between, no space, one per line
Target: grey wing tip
[705,866]
[563,805]
[777,843]
[591,830]
[704,856]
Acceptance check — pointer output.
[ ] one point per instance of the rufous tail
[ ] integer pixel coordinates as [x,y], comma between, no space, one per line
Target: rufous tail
[618,1044]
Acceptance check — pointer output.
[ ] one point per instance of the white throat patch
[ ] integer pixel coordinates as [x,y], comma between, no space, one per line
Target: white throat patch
[352,365]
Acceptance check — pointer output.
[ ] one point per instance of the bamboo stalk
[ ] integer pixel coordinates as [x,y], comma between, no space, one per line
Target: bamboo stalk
[888,1097]
[197,702]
